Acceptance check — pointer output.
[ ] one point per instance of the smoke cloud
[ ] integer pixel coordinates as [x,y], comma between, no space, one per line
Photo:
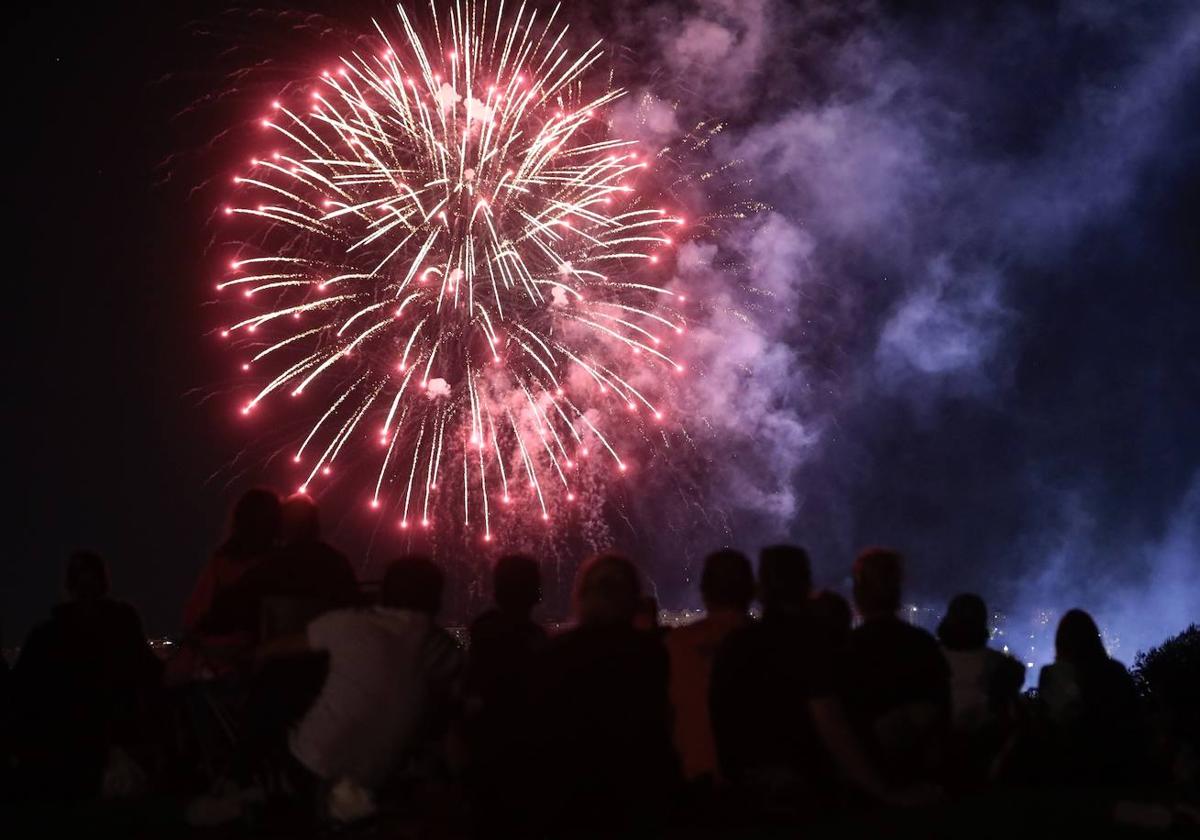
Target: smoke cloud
[964,326]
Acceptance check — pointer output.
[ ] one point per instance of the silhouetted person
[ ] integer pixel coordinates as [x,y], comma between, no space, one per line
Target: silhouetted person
[763,677]
[984,689]
[394,678]
[84,683]
[303,578]
[603,755]
[504,643]
[897,683]
[298,581]
[778,724]
[504,637]
[1091,702]
[834,617]
[727,588]
[253,534]
[983,681]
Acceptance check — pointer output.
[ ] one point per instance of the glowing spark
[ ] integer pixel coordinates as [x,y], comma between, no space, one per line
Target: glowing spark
[460,220]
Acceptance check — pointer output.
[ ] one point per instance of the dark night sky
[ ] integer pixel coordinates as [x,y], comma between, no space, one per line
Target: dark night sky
[1046,402]
[108,451]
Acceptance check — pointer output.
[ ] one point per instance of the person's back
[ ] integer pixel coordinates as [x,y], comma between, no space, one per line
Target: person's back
[102,643]
[892,664]
[391,669]
[367,707]
[83,679]
[306,567]
[984,683]
[727,586]
[764,677]
[504,639]
[895,678]
[318,571]
[601,698]
[833,619]
[603,754]
[296,582]
[1091,701]
[504,644]
[783,737]
[980,679]
[219,651]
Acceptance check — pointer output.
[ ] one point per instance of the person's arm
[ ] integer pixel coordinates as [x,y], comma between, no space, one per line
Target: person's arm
[296,644]
[844,746]
[232,608]
[836,734]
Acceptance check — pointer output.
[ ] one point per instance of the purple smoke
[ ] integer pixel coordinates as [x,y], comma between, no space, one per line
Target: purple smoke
[914,344]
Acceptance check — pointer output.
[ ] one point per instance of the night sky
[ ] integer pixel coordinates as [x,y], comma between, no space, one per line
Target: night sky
[968,325]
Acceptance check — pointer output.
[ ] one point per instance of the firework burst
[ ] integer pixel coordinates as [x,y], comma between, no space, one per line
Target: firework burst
[445,243]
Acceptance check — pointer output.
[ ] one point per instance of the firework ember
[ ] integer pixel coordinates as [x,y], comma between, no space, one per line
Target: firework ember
[442,240]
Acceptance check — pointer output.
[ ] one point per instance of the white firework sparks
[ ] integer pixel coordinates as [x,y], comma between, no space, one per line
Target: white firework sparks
[447,243]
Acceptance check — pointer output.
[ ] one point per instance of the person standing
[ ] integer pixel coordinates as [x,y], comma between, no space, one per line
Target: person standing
[727,588]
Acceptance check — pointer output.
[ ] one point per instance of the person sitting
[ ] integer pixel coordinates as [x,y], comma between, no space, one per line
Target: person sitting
[1091,703]
[727,588]
[84,684]
[896,681]
[983,682]
[763,677]
[504,643]
[394,680]
[602,754]
[834,617]
[205,653]
[779,728]
[504,638]
[984,688]
[301,579]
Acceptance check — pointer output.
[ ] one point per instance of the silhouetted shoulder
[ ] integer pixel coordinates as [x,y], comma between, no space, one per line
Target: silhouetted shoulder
[897,633]
[125,617]
[597,655]
[740,641]
[485,624]
[1010,674]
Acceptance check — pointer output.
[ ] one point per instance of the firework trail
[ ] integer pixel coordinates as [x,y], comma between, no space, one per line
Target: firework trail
[444,242]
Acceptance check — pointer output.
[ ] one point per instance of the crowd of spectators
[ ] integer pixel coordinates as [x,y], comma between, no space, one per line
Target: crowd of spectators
[293,697]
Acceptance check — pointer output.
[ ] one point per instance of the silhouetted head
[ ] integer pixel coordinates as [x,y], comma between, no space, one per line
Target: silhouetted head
[87,576]
[784,577]
[300,521]
[517,584]
[413,582]
[965,626]
[607,590]
[833,615]
[254,526]
[727,581]
[878,581]
[1078,639]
